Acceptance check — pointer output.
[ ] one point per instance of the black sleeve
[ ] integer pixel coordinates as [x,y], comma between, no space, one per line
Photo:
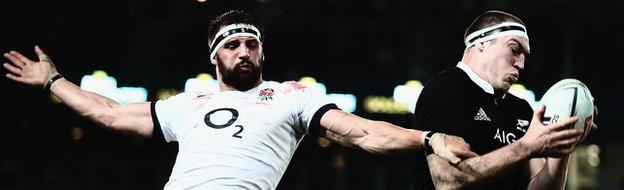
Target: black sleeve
[157,134]
[315,128]
[443,106]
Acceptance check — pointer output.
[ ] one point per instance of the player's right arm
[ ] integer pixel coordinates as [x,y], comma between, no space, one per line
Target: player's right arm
[132,118]
[540,140]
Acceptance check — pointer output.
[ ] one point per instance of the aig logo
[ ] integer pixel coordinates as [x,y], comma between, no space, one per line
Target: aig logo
[504,137]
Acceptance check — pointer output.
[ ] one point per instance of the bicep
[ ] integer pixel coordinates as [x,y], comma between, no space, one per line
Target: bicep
[133,118]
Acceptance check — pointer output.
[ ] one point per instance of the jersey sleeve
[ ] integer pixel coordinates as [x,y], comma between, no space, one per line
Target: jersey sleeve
[312,104]
[164,114]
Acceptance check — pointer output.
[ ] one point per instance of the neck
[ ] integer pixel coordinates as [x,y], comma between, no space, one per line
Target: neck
[225,87]
[475,64]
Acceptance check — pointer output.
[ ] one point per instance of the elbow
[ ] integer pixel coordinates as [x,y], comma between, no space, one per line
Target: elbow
[105,118]
[454,182]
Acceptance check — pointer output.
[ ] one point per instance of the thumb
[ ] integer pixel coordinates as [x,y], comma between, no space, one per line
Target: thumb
[42,56]
[538,114]
[466,153]
[453,159]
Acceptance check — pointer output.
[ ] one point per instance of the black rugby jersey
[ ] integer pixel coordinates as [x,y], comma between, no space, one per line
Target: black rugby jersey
[452,103]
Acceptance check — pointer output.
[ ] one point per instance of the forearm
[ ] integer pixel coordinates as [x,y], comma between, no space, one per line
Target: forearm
[551,175]
[373,136]
[91,105]
[475,171]
[385,138]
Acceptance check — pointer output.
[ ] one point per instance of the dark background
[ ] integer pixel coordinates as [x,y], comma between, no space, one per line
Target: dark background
[362,47]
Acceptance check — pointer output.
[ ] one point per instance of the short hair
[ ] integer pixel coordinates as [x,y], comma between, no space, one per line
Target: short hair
[491,18]
[231,17]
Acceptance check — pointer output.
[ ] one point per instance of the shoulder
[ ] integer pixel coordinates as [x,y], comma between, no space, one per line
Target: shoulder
[519,103]
[450,80]
[293,86]
[189,96]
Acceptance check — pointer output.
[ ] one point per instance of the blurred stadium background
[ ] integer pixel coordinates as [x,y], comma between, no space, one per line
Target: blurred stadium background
[363,48]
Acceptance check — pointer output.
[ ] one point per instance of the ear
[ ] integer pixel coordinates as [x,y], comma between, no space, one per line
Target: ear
[214,60]
[263,56]
[481,46]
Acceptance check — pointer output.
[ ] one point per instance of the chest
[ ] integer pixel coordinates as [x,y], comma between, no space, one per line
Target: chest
[239,118]
[497,125]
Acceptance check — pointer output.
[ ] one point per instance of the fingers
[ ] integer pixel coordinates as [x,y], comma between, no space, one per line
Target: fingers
[567,134]
[563,124]
[451,158]
[12,69]
[15,78]
[566,144]
[14,59]
[465,153]
[21,57]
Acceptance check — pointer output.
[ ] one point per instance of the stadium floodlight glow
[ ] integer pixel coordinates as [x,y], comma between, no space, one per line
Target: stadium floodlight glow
[99,82]
[166,93]
[384,105]
[408,94]
[311,82]
[521,92]
[346,102]
[202,83]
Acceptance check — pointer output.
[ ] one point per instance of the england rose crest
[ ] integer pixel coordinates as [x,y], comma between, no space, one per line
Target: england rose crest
[266,94]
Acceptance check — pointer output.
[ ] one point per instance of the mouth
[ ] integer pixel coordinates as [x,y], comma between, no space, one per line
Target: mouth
[245,66]
[513,78]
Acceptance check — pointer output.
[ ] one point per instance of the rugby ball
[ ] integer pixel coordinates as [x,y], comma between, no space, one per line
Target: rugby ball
[568,98]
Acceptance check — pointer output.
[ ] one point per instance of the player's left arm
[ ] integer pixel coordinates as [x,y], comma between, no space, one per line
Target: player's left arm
[380,137]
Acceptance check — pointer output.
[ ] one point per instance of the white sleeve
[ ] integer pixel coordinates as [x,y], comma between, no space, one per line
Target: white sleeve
[164,113]
[311,105]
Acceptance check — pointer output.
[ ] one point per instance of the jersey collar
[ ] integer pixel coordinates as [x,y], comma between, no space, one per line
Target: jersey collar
[486,86]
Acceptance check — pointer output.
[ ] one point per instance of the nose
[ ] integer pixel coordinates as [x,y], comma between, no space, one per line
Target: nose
[519,63]
[244,52]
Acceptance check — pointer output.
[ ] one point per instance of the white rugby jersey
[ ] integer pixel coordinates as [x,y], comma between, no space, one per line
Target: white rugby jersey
[234,139]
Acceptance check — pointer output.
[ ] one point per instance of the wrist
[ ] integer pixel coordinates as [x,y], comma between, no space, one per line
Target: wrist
[524,148]
[51,79]
[427,136]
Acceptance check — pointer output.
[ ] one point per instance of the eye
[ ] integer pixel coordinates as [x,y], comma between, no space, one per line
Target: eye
[515,49]
[231,45]
[252,44]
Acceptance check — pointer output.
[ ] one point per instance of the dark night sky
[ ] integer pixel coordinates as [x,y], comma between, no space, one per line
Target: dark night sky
[363,47]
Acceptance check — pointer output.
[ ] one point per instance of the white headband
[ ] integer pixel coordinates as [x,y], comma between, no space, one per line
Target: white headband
[497,31]
[230,31]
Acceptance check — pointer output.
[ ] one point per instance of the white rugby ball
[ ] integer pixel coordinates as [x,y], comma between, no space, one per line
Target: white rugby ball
[567,98]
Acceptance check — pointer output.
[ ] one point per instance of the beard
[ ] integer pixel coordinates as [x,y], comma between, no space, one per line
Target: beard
[239,78]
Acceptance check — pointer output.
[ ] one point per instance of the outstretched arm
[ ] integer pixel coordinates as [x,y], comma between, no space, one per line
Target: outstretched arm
[133,118]
[385,138]
[540,140]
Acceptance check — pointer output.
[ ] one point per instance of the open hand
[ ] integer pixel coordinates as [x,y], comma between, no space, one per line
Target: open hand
[24,70]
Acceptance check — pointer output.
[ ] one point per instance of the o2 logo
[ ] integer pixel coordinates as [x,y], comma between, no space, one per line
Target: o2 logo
[233,119]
